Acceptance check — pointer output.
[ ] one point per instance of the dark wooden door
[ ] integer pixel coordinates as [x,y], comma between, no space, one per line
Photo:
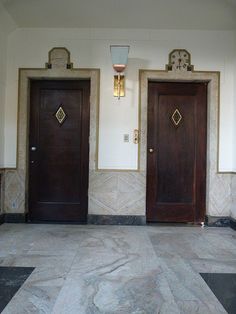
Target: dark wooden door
[59,150]
[176,152]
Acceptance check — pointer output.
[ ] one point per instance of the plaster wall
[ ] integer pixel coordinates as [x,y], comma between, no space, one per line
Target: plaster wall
[6,26]
[233,182]
[149,49]
[234,106]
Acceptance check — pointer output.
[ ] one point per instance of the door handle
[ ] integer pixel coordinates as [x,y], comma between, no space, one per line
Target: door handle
[33,148]
[151,150]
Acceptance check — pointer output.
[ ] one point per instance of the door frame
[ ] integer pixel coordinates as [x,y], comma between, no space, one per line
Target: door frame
[52,73]
[213,79]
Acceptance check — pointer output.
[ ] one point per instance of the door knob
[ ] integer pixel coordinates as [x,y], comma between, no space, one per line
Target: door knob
[33,148]
[151,150]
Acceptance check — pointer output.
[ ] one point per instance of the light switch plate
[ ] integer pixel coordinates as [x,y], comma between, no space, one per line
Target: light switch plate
[126,138]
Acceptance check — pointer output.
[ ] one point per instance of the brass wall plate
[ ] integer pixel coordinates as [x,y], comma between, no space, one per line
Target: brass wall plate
[116,86]
[136,136]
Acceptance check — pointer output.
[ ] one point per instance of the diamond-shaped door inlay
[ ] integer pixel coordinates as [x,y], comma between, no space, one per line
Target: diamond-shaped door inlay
[176,117]
[60,115]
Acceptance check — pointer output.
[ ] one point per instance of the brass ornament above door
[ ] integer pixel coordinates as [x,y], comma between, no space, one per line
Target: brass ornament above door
[179,60]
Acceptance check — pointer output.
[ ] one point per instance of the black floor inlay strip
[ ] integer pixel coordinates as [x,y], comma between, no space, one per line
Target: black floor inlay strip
[224,288]
[11,279]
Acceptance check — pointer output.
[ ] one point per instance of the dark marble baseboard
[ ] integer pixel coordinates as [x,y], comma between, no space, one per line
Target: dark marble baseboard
[15,218]
[116,220]
[210,221]
[233,223]
[11,279]
[214,221]
[2,219]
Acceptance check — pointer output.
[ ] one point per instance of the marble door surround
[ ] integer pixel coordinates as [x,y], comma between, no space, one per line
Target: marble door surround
[117,194]
[218,193]
[57,67]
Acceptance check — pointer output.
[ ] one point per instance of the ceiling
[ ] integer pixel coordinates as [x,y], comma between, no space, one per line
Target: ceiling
[152,14]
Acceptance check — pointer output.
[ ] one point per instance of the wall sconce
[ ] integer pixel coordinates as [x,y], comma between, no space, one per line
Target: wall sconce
[119,57]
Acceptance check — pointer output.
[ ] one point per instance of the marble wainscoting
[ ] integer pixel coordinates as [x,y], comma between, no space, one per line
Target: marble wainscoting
[116,269]
[117,193]
[110,193]
[233,209]
[120,194]
[14,192]
[1,195]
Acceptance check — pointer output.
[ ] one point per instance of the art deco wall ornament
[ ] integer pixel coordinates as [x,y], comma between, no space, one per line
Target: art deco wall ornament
[119,57]
[59,58]
[179,60]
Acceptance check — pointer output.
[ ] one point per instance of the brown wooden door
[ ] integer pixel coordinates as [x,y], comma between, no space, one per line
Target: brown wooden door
[176,168]
[59,150]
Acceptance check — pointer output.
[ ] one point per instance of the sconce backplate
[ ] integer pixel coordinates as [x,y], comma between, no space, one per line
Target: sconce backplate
[116,86]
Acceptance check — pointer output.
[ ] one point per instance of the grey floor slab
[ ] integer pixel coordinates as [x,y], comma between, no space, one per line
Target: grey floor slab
[116,269]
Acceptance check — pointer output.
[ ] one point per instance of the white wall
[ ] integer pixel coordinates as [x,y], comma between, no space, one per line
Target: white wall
[233,182]
[234,101]
[3,47]
[149,49]
[6,26]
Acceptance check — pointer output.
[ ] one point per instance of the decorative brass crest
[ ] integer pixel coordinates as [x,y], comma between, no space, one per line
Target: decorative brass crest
[179,60]
[119,86]
[60,115]
[176,117]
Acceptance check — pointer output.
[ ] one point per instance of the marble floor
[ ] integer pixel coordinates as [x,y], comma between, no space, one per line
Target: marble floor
[116,269]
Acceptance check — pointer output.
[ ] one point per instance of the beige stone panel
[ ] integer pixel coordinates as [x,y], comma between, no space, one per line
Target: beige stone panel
[233,193]
[103,182]
[131,203]
[131,182]
[14,192]
[103,203]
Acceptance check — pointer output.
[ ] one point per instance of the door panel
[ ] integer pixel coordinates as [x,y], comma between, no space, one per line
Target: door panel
[176,169]
[58,168]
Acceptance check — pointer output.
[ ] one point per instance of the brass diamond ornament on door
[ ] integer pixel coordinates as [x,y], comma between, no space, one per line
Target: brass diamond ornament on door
[176,117]
[60,115]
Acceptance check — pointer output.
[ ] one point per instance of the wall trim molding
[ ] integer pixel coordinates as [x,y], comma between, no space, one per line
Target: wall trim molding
[116,220]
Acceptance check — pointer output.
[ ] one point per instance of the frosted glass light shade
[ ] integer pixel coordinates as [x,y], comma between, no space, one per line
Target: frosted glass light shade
[119,57]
